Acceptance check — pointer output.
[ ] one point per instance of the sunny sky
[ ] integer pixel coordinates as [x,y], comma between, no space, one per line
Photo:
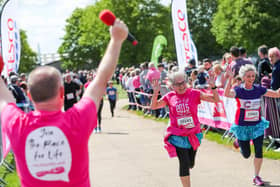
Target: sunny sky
[44,21]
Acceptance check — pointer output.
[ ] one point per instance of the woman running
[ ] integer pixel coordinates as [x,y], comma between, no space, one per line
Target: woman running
[183,134]
[248,122]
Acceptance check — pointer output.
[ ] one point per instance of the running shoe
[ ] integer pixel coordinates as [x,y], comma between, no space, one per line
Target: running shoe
[258,181]
[95,130]
[236,144]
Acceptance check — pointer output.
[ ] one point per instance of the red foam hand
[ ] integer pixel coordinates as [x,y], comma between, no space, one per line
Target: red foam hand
[107,17]
[1,64]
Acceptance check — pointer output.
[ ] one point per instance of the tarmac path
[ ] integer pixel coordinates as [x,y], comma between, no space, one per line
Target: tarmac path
[129,153]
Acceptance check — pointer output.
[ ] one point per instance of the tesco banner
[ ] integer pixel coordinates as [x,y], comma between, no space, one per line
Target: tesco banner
[185,47]
[219,115]
[10,37]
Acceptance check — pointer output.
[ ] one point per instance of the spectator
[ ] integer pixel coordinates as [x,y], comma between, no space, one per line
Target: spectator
[202,77]
[219,76]
[136,83]
[190,67]
[153,74]
[64,161]
[16,91]
[226,60]
[207,64]
[274,57]
[163,74]
[264,68]
[130,88]
[237,61]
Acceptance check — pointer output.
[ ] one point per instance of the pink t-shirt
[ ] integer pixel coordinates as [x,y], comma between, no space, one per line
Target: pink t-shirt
[51,148]
[183,108]
[87,84]
[136,81]
[153,74]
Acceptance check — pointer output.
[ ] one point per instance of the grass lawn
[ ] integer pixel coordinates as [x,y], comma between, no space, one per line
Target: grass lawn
[216,136]
[10,178]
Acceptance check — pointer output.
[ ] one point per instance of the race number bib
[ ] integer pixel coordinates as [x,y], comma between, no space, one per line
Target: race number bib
[70,96]
[187,122]
[111,92]
[252,115]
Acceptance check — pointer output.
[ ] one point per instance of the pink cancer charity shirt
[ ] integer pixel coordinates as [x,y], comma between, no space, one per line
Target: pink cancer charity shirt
[183,108]
[51,148]
[153,74]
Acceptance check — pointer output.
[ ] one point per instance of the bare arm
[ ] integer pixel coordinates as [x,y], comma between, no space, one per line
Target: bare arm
[107,66]
[214,97]
[228,91]
[155,103]
[5,95]
[272,93]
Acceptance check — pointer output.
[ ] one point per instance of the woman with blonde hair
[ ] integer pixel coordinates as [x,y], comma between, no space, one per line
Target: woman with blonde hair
[249,125]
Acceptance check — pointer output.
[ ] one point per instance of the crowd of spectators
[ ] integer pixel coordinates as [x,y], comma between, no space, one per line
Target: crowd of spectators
[137,80]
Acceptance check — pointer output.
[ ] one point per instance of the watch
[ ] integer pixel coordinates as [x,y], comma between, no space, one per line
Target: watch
[213,88]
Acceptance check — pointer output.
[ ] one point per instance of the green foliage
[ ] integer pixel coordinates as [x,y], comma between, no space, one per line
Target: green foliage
[10,178]
[200,14]
[249,23]
[27,55]
[86,36]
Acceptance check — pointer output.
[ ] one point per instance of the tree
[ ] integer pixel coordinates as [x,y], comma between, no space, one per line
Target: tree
[86,36]
[200,15]
[73,53]
[28,57]
[249,23]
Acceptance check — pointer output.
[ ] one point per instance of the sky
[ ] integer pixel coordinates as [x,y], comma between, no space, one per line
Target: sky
[44,21]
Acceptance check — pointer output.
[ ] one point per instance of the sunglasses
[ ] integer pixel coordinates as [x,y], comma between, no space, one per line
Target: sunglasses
[178,84]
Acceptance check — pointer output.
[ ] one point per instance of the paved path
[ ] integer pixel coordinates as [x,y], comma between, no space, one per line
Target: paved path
[129,153]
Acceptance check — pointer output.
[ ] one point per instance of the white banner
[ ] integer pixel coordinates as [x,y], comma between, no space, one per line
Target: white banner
[219,115]
[10,37]
[185,48]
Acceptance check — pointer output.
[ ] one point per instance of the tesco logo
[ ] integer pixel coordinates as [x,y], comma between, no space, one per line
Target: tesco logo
[13,44]
[183,28]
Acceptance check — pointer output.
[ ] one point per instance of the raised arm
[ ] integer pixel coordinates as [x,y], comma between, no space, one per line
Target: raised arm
[228,91]
[214,97]
[155,103]
[5,95]
[108,63]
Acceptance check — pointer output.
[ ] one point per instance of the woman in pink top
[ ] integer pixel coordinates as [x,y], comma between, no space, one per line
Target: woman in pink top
[183,134]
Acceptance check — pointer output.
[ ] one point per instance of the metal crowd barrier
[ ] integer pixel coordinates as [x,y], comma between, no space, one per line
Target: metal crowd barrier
[163,90]
[273,110]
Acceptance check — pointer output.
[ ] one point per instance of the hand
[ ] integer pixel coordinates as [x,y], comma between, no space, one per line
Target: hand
[211,80]
[119,31]
[229,73]
[155,85]
[1,64]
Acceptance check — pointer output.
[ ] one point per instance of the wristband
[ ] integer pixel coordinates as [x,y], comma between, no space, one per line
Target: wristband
[213,88]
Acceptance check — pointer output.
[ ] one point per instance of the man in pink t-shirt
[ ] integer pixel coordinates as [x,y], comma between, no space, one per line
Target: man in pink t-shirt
[51,146]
